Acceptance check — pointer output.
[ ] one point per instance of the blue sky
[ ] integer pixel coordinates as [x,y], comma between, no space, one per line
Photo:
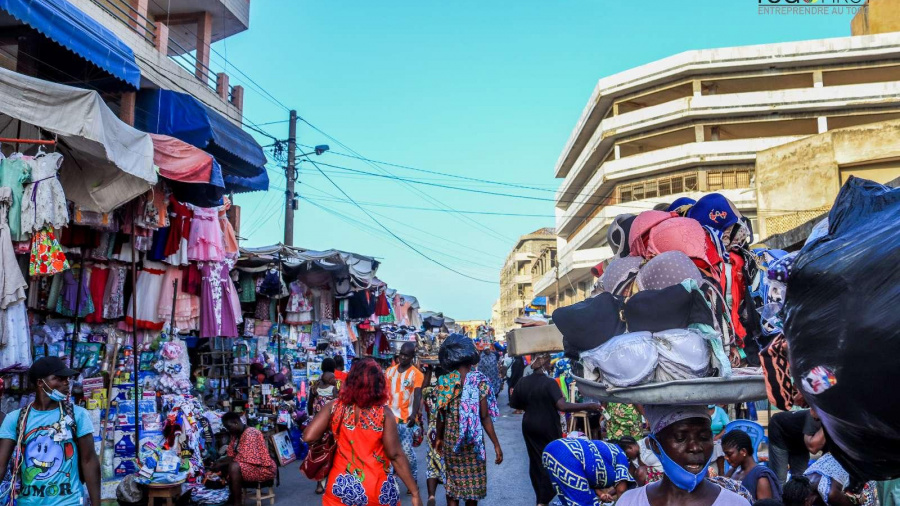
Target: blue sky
[487,90]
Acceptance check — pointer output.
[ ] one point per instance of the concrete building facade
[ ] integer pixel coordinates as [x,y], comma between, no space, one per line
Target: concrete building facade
[694,123]
[515,278]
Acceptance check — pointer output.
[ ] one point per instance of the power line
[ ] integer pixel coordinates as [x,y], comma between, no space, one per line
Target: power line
[397,237]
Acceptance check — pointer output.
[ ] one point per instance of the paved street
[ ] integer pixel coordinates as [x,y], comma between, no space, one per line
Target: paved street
[505,482]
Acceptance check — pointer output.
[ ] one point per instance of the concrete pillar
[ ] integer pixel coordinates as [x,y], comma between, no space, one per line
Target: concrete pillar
[616,109]
[126,107]
[222,85]
[138,18]
[823,124]
[714,133]
[237,98]
[698,87]
[162,38]
[818,82]
[699,133]
[204,38]
[617,151]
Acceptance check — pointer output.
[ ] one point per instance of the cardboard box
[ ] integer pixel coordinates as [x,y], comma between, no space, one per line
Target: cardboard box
[530,340]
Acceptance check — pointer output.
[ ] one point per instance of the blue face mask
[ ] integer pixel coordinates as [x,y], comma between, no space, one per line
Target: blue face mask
[679,476]
[54,394]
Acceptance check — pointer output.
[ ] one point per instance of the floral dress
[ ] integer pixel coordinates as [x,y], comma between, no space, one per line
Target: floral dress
[624,420]
[361,474]
[458,402]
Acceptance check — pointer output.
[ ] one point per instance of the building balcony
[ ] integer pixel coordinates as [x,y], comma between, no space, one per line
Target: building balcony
[523,279]
[661,80]
[666,160]
[167,57]
[781,113]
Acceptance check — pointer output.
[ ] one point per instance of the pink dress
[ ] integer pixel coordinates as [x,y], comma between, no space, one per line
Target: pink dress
[206,243]
[187,306]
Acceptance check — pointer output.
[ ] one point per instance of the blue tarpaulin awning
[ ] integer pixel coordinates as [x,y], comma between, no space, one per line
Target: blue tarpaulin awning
[539,301]
[71,28]
[184,117]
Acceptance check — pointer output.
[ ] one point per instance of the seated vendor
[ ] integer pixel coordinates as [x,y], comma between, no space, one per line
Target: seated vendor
[248,457]
[682,439]
[583,471]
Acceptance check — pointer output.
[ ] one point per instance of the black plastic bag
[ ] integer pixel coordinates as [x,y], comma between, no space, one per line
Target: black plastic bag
[456,350]
[843,329]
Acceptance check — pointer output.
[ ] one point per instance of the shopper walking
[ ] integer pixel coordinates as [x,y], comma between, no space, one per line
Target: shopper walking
[369,457]
[466,409]
[488,365]
[405,390]
[435,468]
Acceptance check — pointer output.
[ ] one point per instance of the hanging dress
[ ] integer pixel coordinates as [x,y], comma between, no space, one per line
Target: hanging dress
[15,342]
[44,202]
[114,292]
[74,298]
[14,174]
[217,313]
[205,243]
[187,306]
[148,287]
[180,216]
[230,241]
[97,286]
[299,310]
[47,257]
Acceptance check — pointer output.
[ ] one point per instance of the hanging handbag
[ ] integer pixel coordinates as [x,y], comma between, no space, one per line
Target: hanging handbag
[321,454]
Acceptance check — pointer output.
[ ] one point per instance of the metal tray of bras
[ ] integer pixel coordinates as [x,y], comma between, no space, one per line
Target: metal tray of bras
[692,391]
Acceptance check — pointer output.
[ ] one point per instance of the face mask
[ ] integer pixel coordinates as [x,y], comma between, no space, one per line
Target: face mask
[680,477]
[54,394]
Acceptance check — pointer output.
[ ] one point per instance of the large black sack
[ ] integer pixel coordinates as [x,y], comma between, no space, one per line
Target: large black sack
[457,349]
[843,329]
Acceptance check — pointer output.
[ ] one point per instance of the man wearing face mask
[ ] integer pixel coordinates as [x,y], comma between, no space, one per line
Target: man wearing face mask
[49,444]
[681,437]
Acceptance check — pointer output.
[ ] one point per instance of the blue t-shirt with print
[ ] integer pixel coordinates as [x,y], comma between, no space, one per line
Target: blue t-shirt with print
[49,470]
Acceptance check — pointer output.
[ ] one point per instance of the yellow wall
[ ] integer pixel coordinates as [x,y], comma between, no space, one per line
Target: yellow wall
[798,181]
[880,16]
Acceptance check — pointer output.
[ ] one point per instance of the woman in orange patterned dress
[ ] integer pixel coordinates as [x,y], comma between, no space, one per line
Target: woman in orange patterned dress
[369,456]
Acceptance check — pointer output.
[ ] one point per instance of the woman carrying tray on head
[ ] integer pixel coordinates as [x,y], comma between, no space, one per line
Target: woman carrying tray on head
[681,436]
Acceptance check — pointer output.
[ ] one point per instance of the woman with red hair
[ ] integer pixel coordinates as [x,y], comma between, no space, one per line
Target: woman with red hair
[368,442]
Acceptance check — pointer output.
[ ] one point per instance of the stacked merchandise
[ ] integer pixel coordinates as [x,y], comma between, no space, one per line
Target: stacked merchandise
[680,299]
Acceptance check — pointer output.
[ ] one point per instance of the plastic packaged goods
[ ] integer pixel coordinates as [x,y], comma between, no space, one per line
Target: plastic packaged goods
[842,327]
[623,361]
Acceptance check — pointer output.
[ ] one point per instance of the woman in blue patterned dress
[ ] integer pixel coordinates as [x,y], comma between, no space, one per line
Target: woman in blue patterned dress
[581,470]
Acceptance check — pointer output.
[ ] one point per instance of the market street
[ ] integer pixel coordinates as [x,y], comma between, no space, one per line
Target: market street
[506,482]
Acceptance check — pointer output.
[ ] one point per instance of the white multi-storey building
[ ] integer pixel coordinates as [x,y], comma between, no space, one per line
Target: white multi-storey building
[694,122]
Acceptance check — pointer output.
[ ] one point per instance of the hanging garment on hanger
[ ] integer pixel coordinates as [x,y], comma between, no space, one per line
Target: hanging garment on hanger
[98,279]
[218,316]
[44,202]
[12,283]
[47,257]
[187,306]
[114,292]
[180,216]
[299,310]
[206,243]
[230,241]
[14,174]
[148,287]
[69,300]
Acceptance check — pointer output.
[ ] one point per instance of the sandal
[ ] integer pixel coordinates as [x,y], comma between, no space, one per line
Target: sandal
[319,489]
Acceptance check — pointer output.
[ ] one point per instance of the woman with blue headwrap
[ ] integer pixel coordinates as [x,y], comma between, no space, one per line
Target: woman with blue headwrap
[582,470]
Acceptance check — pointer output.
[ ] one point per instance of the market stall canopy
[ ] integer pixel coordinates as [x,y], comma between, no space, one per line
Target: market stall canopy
[184,117]
[361,268]
[107,162]
[71,28]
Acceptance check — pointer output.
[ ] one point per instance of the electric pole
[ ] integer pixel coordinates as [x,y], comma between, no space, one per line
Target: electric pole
[290,200]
